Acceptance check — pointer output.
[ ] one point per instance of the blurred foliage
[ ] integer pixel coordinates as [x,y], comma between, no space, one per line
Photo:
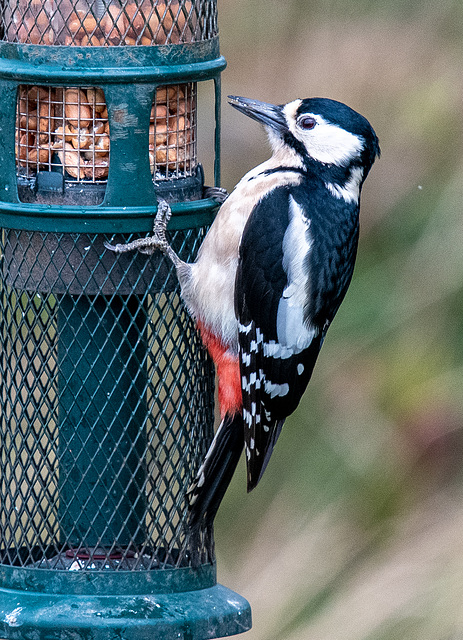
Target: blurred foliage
[355,530]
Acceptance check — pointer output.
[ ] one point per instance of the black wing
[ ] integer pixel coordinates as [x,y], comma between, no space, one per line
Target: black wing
[275,367]
[292,275]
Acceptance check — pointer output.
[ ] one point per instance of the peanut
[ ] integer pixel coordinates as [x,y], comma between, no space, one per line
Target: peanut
[173,20]
[90,41]
[172,158]
[99,149]
[97,170]
[25,143]
[38,94]
[174,37]
[69,133]
[179,139]
[158,132]
[96,99]
[165,93]
[165,15]
[39,155]
[48,37]
[158,113]
[28,120]
[178,124]
[98,128]
[42,19]
[136,19]
[45,115]
[102,144]
[77,109]
[184,31]
[180,107]
[81,139]
[114,23]
[71,161]
[152,29]
[80,23]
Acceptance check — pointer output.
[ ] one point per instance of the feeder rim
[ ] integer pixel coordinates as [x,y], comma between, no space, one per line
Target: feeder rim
[102,219]
[90,582]
[82,66]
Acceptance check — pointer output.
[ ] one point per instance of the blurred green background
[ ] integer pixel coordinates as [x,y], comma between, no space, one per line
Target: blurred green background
[356,530]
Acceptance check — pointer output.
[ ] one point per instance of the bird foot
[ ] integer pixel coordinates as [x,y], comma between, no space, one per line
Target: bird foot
[151,244]
[217,193]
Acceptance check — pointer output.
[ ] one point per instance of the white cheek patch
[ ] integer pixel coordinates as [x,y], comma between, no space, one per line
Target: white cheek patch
[326,142]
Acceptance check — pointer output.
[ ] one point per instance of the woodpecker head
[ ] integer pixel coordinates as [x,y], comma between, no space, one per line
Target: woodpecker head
[316,130]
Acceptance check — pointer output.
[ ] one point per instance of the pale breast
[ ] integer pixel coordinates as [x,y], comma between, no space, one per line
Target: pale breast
[209,292]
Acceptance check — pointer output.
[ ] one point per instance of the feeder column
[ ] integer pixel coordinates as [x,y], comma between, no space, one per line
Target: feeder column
[106,394]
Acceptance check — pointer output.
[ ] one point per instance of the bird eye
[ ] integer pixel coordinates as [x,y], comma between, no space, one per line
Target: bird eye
[307,122]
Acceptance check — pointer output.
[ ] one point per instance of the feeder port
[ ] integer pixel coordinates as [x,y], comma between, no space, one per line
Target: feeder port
[67,130]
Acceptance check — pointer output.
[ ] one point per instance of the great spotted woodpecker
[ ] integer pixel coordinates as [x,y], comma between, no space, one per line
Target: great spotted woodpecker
[270,276]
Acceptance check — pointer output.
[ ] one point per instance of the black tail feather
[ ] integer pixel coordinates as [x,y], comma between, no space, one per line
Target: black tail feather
[211,483]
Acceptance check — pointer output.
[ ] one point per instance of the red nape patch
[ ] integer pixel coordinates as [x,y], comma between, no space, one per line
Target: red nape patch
[228,372]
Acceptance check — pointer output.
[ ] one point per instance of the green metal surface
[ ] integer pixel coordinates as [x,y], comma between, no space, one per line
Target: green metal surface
[103,583]
[218,124]
[101,219]
[98,359]
[194,615]
[38,64]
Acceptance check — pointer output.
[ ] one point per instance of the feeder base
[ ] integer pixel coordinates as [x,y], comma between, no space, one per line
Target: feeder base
[193,615]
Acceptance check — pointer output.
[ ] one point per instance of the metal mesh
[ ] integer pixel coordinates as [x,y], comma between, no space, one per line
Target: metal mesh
[172,137]
[63,130]
[66,130]
[106,404]
[105,23]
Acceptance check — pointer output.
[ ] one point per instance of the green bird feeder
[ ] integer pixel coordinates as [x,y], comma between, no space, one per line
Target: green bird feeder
[106,393]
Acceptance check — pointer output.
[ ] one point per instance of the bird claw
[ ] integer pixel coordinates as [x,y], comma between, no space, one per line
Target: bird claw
[163,215]
[151,244]
[217,193]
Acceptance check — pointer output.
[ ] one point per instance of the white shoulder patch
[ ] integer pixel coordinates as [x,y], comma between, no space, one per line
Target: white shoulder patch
[350,191]
[293,334]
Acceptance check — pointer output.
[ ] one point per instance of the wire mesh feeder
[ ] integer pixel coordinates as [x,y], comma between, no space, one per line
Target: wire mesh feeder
[106,392]
[106,405]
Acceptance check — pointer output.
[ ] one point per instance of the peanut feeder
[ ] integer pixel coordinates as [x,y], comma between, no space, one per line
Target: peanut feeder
[106,393]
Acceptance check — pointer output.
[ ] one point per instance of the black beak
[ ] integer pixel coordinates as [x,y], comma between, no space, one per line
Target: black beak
[270,115]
